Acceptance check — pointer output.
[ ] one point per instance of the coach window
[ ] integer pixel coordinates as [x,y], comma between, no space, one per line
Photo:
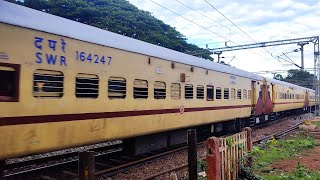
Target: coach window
[159,90]
[233,93]
[47,84]
[9,83]
[210,93]
[87,86]
[140,89]
[175,91]
[117,88]
[200,92]
[218,93]
[244,94]
[226,93]
[249,94]
[188,91]
[239,93]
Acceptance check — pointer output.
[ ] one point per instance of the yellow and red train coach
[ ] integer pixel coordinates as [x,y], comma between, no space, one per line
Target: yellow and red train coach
[65,84]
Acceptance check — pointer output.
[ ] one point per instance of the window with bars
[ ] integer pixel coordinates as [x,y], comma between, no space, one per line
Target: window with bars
[188,91]
[226,93]
[9,83]
[200,92]
[140,89]
[249,94]
[87,86]
[233,93]
[239,93]
[159,90]
[218,93]
[244,94]
[210,93]
[175,91]
[47,84]
[117,88]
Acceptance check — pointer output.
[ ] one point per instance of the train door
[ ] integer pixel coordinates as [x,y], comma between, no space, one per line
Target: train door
[306,99]
[274,95]
[253,97]
[268,97]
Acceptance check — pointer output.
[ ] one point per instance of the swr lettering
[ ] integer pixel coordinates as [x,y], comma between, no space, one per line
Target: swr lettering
[51,59]
[52,45]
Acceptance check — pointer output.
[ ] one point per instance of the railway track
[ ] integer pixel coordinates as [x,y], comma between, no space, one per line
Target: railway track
[21,166]
[277,135]
[109,161]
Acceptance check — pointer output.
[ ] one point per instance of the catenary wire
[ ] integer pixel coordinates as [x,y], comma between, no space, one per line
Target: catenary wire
[236,26]
[209,30]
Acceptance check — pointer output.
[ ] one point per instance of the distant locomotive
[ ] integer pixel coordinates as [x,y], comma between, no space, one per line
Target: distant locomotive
[66,84]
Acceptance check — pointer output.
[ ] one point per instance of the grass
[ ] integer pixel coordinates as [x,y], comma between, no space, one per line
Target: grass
[277,150]
[317,123]
[300,173]
[274,150]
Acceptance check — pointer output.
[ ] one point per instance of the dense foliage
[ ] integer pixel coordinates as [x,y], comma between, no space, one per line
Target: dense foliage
[121,17]
[298,77]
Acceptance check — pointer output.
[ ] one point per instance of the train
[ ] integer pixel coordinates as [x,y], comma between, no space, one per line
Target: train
[65,84]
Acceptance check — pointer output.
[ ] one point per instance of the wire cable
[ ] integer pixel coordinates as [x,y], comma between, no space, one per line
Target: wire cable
[208,29]
[236,25]
[208,17]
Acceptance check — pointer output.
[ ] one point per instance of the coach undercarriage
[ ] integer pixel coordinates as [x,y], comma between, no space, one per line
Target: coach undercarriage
[147,143]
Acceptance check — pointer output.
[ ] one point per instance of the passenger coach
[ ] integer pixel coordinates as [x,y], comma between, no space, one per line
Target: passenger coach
[66,84]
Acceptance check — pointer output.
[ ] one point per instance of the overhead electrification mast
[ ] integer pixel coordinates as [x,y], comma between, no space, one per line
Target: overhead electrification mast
[299,41]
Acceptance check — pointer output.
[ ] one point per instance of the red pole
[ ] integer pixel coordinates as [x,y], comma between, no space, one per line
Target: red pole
[213,159]
[249,144]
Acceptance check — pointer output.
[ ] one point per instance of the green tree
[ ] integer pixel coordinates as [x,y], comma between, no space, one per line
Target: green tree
[222,62]
[278,77]
[121,17]
[300,77]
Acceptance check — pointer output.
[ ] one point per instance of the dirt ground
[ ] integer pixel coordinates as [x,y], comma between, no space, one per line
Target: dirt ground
[309,158]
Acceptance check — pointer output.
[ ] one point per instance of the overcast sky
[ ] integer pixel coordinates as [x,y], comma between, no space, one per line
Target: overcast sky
[262,20]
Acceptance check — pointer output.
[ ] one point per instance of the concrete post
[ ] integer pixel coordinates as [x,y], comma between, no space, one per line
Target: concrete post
[86,166]
[192,154]
[249,144]
[213,159]
[2,166]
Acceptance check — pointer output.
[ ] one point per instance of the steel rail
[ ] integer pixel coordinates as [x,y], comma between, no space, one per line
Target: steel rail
[266,138]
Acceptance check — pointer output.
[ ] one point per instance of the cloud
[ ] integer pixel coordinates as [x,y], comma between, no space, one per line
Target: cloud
[262,20]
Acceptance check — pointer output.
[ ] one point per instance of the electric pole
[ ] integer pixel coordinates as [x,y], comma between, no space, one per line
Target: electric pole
[301,44]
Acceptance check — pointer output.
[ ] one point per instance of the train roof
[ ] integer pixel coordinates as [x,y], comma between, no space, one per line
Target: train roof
[26,17]
[286,84]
